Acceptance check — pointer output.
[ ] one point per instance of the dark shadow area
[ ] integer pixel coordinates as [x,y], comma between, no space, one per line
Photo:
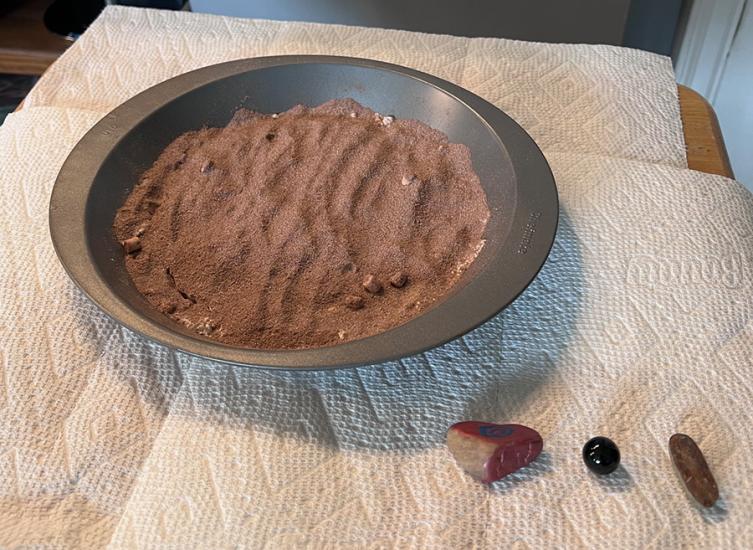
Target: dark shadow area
[542,465]
[408,405]
[717,513]
[13,90]
[618,481]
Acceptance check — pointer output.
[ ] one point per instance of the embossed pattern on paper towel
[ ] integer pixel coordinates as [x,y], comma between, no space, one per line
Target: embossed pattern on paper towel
[570,98]
[81,400]
[107,438]
[581,352]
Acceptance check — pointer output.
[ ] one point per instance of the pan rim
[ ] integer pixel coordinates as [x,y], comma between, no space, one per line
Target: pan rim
[536,213]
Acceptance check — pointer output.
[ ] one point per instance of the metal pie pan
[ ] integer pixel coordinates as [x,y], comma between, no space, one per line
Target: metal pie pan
[104,166]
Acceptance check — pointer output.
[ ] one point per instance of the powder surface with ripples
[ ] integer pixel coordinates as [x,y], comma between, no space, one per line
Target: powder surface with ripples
[262,234]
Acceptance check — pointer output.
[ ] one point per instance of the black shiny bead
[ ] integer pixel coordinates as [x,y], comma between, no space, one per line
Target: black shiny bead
[601,455]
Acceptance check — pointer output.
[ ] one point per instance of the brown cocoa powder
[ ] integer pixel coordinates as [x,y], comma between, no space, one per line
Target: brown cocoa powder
[261,234]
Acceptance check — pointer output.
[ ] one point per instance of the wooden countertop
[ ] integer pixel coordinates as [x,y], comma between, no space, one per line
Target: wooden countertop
[703,136]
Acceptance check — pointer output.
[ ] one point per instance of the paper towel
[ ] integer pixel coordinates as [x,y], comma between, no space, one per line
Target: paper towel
[80,399]
[570,98]
[640,325]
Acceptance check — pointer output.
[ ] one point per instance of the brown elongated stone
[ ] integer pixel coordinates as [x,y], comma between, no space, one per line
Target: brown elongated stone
[693,469]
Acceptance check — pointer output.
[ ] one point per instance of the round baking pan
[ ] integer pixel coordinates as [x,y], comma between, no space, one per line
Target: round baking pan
[104,166]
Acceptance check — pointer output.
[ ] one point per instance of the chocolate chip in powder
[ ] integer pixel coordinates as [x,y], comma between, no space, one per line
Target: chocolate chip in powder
[398,279]
[151,205]
[371,284]
[348,268]
[354,302]
[132,245]
[181,159]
